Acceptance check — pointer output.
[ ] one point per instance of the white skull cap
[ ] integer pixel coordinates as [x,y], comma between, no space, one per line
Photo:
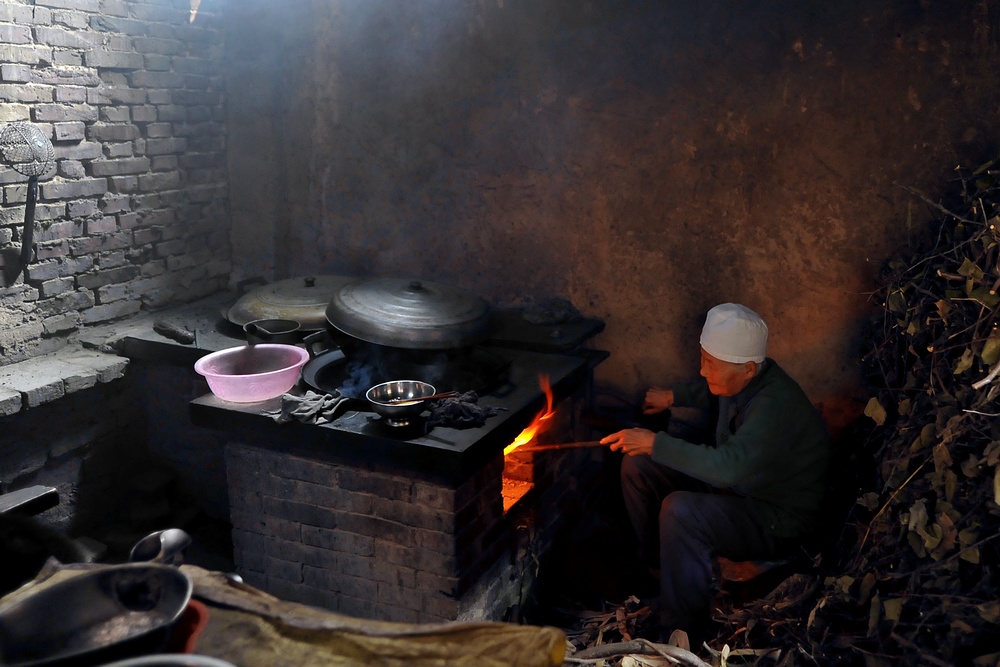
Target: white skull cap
[734,333]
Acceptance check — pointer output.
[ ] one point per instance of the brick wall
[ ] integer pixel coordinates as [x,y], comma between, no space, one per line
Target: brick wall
[360,541]
[134,215]
[87,445]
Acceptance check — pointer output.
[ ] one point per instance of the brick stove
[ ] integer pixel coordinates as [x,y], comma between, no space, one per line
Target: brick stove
[369,520]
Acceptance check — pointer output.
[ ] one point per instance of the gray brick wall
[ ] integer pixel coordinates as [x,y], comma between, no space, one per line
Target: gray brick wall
[357,541]
[134,215]
[90,454]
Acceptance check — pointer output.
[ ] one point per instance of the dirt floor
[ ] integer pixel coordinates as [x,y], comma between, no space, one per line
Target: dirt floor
[594,571]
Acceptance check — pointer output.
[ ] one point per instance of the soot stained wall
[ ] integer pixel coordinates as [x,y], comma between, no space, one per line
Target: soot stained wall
[646,160]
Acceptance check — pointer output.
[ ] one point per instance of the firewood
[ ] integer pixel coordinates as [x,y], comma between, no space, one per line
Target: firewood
[638,646]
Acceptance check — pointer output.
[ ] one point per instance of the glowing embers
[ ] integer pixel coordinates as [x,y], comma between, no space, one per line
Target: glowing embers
[518,471]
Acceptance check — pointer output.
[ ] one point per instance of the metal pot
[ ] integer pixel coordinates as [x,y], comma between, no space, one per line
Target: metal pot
[94,617]
[303,299]
[409,314]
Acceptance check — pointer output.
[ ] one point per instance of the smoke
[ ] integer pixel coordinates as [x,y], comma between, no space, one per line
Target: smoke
[358,380]
[369,365]
[365,368]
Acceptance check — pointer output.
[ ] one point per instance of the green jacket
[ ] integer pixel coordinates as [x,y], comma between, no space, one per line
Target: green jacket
[771,444]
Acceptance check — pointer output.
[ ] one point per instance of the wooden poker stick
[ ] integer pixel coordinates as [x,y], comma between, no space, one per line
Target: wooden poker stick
[559,446]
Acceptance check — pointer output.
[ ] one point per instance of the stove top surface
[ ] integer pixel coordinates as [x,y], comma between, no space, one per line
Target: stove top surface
[359,434]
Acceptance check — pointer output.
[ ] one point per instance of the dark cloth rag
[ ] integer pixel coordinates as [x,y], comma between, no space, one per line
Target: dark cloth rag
[310,408]
[462,411]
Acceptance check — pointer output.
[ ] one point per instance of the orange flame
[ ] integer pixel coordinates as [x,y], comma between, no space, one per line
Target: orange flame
[528,434]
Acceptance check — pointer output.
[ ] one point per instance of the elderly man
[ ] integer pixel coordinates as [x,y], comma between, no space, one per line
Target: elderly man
[752,491]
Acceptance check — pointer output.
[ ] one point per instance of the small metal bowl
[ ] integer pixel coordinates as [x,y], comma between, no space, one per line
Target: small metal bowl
[399,401]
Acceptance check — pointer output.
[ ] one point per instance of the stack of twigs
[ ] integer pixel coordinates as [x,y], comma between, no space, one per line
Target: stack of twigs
[618,622]
[926,565]
[615,636]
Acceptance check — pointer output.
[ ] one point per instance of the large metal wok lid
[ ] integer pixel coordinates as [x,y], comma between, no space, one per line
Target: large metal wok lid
[303,299]
[410,314]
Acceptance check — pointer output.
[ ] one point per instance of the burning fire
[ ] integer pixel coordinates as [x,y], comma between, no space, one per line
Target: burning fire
[528,434]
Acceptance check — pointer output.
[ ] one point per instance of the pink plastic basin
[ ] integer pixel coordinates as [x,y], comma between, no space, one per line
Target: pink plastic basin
[251,373]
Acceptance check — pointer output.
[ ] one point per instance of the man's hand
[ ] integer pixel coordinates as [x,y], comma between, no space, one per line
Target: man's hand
[631,441]
[657,400]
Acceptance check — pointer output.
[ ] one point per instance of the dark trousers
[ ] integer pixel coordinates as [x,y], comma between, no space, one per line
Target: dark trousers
[681,523]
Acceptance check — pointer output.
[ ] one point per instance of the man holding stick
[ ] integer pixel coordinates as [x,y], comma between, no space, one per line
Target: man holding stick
[752,491]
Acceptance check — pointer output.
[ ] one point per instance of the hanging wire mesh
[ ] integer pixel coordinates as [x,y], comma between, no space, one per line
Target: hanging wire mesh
[26,149]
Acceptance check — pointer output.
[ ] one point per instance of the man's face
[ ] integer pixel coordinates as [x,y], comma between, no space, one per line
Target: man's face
[726,378]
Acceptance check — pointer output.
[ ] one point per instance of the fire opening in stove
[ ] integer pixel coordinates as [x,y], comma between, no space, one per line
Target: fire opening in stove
[518,473]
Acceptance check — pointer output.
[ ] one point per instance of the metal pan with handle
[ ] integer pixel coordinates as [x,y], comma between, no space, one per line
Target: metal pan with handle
[95,616]
[100,613]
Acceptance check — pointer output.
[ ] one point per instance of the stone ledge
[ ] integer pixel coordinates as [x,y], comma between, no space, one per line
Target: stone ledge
[102,353]
[28,384]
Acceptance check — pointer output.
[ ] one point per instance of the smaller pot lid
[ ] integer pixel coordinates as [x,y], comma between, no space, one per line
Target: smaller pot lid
[303,299]
[411,314]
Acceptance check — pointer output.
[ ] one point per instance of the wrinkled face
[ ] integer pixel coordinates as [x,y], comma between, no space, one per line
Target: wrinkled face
[724,377]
